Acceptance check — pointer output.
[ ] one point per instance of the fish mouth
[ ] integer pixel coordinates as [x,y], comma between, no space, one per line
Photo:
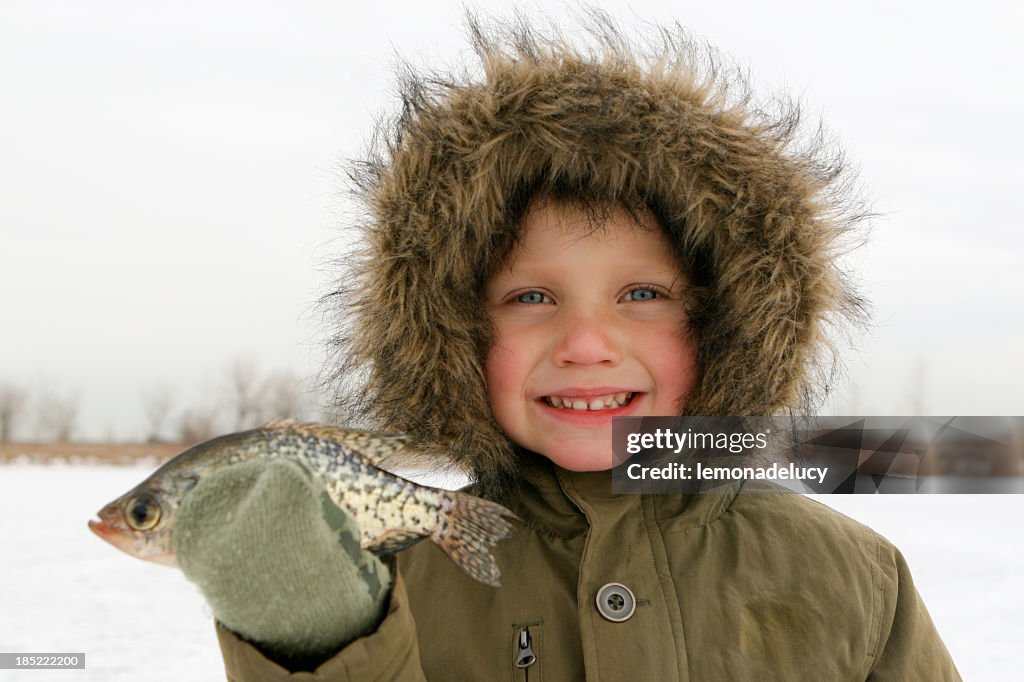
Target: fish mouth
[104,528]
[127,543]
[110,534]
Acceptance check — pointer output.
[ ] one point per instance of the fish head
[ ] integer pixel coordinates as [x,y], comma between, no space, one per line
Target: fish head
[139,523]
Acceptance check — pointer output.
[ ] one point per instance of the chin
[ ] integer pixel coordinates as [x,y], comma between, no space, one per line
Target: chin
[582,460]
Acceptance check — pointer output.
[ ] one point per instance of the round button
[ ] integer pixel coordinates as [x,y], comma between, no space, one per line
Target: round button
[616,602]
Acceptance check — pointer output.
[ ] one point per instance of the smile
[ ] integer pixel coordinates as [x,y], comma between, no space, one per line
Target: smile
[590,403]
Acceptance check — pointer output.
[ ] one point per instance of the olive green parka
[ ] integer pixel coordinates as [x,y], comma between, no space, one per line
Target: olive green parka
[728,587]
[724,586]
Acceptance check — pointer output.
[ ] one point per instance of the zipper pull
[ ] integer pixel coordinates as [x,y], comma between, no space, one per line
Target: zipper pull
[526,657]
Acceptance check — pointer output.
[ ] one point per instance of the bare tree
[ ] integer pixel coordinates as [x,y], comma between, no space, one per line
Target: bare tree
[56,415]
[249,399]
[283,396]
[156,403]
[243,387]
[197,425]
[12,403]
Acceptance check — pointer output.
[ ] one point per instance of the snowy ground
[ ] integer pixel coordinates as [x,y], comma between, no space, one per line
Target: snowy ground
[966,554]
[63,590]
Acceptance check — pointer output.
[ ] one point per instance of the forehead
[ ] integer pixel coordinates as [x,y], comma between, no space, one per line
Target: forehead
[553,230]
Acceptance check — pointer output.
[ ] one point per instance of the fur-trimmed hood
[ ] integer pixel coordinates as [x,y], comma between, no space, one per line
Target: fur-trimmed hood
[663,123]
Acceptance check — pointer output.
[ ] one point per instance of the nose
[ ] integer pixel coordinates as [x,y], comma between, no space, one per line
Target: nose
[587,338]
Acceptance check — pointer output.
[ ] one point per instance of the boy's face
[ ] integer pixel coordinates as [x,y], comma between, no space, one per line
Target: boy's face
[588,327]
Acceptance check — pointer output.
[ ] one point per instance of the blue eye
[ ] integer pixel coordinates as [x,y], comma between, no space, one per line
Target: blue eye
[642,295]
[532,297]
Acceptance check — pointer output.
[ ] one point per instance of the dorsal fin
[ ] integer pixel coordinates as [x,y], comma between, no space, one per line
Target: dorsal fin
[280,423]
[374,446]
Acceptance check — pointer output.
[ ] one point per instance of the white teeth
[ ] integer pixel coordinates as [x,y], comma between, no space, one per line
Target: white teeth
[604,402]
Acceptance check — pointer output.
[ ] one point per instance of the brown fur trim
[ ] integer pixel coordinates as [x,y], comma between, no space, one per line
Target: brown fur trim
[760,211]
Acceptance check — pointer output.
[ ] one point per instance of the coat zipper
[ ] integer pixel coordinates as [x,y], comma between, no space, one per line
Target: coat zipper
[525,656]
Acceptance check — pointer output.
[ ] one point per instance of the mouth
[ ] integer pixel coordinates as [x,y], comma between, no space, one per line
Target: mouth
[130,544]
[591,403]
[98,527]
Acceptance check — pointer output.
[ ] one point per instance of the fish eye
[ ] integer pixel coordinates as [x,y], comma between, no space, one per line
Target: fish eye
[142,512]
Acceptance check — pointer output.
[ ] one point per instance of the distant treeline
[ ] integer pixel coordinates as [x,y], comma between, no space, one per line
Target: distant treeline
[244,396]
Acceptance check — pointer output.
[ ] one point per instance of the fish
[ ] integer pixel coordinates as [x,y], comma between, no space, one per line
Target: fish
[392,512]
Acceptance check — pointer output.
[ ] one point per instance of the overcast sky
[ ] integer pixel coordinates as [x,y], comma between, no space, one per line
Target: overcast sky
[169,185]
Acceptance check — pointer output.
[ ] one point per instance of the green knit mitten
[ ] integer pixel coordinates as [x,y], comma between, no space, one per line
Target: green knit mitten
[278,562]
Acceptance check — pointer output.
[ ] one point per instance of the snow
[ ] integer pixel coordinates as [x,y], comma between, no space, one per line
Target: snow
[63,590]
[966,556]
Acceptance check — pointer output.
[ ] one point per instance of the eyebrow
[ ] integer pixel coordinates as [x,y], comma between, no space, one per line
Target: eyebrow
[554,266]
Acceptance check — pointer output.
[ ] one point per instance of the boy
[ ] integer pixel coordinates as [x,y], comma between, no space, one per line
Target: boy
[573,238]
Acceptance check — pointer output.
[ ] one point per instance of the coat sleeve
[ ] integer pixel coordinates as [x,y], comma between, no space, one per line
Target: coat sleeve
[909,647]
[391,652]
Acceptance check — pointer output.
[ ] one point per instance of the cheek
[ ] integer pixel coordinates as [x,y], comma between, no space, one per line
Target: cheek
[675,366]
[502,376]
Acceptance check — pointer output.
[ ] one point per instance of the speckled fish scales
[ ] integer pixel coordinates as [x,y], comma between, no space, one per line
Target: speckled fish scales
[392,512]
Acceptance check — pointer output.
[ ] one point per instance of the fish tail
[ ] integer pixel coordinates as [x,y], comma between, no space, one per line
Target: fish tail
[474,526]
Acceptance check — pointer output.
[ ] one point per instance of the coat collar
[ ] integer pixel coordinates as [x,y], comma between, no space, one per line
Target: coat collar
[563,503]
